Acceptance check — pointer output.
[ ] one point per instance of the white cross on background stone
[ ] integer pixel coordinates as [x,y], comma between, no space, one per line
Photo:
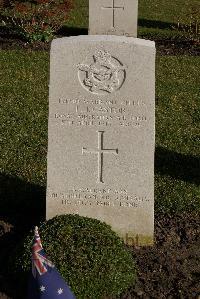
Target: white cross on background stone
[42,288]
[60,291]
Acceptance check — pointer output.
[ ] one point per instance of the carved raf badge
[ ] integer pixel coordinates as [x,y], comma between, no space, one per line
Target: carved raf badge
[103,74]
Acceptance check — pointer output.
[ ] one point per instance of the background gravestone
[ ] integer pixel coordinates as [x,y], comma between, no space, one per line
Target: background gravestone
[114,17]
[101,132]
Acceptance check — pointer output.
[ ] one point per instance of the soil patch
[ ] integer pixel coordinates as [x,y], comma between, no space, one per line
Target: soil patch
[178,47]
[170,269]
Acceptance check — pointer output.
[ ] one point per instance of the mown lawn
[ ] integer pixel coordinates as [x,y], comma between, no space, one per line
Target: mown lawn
[24,114]
[177,133]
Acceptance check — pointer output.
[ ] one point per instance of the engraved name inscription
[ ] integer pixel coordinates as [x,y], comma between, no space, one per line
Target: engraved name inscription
[102,112]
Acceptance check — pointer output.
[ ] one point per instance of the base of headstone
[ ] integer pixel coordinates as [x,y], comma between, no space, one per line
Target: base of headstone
[101,133]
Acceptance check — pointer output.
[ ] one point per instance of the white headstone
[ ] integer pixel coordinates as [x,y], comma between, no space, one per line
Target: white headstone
[101,132]
[113,17]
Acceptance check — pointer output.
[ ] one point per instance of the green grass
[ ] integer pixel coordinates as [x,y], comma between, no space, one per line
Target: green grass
[24,113]
[177,133]
[79,15]
[24,104]
[178,93]
[159,18]
[167,11]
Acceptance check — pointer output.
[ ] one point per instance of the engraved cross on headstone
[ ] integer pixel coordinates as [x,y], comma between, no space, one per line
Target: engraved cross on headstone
[113,8]
[113,17]
[100,151]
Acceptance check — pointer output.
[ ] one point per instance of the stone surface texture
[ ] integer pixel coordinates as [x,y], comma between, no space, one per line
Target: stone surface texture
[101,132]
[113,17]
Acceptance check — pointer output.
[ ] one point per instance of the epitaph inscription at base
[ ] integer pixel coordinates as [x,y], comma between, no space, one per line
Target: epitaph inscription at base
[101,133]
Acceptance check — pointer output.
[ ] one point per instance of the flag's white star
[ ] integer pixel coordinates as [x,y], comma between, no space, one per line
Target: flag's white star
[42,288]
[60,291]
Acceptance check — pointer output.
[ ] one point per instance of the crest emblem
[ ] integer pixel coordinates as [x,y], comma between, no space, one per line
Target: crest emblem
[103,74]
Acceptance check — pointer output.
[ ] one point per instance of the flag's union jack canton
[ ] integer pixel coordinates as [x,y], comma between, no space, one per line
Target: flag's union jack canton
[45,281]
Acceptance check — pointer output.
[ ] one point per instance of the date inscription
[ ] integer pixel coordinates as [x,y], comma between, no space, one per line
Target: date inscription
[98,112]
[99,197]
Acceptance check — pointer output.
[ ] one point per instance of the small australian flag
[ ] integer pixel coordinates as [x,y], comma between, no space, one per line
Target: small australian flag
[45,281]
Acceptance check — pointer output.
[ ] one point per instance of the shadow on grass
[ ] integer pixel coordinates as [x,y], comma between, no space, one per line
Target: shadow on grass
[72,31]
[156,24]
[178,166]
[22,205]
